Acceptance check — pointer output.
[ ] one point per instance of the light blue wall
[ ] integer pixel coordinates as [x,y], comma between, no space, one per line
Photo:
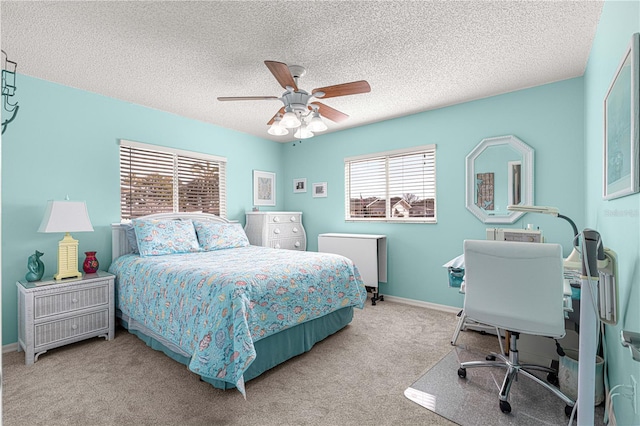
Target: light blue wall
[65,142]
[549,118]
[618,221]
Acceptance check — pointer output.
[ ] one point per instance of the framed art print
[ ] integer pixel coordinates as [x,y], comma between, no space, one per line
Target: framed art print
[300,185]
[320,190]
[621,127]
[264,188]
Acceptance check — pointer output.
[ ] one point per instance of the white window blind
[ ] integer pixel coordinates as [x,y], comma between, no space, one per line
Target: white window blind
[163,180]
[398,186]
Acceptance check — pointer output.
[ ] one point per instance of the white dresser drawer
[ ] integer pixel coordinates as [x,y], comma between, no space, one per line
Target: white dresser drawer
[285,230]
[57,331]
[287,244]
[284,218]
[68,301]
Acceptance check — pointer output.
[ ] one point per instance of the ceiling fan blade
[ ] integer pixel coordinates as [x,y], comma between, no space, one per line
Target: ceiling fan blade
[280,111]
[344,89]
[330,113]
[282,73]
[246,98]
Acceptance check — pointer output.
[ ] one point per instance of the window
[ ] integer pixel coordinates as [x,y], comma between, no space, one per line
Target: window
[393,186]
[164,180]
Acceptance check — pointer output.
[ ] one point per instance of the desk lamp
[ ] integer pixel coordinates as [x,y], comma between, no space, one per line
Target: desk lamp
[66,216]
[573,260]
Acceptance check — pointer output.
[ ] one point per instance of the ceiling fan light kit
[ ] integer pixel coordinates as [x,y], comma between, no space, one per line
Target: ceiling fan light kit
[276,128]
[299,112]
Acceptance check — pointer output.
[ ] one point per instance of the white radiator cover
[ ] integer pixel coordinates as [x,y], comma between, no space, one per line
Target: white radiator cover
[368,252]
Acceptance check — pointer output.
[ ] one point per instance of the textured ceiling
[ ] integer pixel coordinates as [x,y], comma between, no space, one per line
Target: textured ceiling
[416,55]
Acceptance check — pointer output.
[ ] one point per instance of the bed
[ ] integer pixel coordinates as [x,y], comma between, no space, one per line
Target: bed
[190,285]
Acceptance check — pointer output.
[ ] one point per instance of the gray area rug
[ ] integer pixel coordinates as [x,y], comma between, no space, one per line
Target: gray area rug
[474,400]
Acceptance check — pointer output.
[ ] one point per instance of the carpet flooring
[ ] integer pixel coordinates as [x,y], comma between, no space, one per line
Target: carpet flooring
[355,377]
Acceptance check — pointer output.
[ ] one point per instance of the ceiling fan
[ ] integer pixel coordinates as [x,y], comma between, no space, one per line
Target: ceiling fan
[300,110]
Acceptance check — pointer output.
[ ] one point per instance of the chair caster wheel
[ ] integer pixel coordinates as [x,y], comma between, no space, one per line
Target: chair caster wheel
[462,372]
[568,410]
[381,298]
[490,357]
[553,379]
[505,407]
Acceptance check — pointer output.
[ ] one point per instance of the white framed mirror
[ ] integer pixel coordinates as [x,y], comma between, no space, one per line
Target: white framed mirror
[499,172]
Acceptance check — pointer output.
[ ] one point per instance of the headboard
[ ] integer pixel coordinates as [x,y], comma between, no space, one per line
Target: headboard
[120,243]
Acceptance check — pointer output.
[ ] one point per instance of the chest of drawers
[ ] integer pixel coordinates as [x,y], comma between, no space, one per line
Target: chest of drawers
[282,230]
[56,314]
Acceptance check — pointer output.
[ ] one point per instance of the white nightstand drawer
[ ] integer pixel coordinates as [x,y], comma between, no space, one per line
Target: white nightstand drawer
[68,301]
[55,331]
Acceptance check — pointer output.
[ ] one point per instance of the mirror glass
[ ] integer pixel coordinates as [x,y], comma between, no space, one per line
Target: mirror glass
[499,173]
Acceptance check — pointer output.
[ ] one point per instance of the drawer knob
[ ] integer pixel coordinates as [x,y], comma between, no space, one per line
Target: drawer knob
[277,246]
[74,327]
[293,219]
[276,219]
[74,300]
[297,244]
[276,231]
[295,229]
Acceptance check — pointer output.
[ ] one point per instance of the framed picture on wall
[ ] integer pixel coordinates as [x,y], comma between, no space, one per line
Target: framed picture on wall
[320,190]
[622,126]
[300,185]
[264,188]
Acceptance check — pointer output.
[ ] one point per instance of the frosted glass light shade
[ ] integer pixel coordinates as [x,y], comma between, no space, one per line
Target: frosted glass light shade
[303,133]
[316,124]
[290,120]
[276,128]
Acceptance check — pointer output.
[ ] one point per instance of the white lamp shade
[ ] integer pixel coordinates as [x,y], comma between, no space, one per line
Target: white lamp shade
[303,132]
[66,216]
[276,128]
[290,120]
[316,124]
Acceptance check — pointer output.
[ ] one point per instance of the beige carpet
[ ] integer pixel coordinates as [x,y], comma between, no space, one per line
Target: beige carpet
[355,377]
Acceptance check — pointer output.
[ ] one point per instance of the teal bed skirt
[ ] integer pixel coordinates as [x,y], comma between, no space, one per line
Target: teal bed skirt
[270,351]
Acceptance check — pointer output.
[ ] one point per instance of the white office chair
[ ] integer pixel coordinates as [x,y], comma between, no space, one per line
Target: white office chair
[517,287]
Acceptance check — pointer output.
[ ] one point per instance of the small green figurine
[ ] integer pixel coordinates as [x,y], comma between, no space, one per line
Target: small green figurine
[35,267]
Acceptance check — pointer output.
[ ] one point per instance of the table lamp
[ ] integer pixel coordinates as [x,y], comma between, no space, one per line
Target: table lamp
[573,260]
[66,216]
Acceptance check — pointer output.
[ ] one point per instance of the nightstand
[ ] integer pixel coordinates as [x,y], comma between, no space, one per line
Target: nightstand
[55,313]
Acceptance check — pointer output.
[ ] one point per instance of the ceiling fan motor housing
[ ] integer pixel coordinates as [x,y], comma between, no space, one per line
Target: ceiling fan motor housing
[296,100]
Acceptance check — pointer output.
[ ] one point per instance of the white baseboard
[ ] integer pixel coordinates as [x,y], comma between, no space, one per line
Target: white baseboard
[420,303]
[12,347]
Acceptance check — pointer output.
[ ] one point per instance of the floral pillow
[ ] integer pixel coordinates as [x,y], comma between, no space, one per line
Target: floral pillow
[219,236]
[162,236]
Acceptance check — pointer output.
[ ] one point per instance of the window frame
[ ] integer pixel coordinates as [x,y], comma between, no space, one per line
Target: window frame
[176,153]
[386,156]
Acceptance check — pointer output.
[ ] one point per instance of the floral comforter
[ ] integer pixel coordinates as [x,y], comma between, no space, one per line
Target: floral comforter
[215,305]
